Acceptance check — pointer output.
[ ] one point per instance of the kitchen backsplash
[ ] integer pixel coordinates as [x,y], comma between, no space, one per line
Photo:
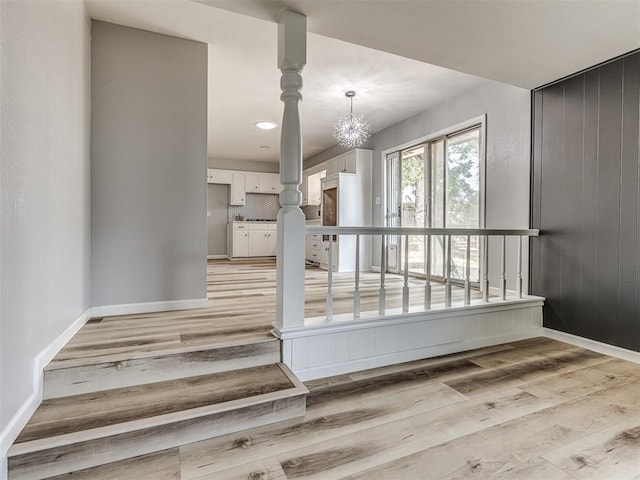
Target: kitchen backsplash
[259,206]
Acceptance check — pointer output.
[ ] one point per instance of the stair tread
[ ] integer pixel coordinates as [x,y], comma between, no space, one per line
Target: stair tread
[77,413]
[97,357]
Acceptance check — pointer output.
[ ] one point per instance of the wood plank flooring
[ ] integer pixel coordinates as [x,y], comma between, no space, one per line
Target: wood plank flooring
[77,413]
[241,310]
[535,409]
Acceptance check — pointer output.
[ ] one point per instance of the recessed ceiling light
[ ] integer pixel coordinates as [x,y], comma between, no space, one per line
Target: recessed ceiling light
[266,125]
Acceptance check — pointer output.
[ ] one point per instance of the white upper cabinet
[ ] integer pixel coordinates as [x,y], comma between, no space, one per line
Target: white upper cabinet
[252,182]
[345,163]
[224,177]
[245,182]
[263,183]
[272,183]
[238,196]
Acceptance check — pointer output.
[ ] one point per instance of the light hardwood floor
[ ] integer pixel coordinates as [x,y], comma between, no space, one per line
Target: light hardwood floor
[242,308]
[535,409]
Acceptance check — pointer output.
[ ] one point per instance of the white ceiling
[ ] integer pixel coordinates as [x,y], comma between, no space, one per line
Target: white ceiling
[525,43]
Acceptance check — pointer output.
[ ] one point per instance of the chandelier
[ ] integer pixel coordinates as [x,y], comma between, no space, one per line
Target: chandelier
[351,130]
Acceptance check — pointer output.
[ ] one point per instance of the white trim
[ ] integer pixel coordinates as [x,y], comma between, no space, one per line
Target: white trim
[149,307]
[341,323]
[24,413]
[479,120]
[216,257]
[594,345]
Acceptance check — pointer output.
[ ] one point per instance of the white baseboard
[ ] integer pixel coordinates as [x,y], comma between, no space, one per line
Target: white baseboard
[594,345]
[22,416]
[216,257]
[148,307]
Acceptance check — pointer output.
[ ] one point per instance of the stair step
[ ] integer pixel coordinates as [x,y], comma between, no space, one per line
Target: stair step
[78,376]
[83,431]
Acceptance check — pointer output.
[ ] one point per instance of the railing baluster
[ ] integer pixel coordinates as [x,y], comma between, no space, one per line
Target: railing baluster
[356,292]
[405,288]
[453,273]
[503,268]
[467,274]
[330,280]
[383,268]
[427,272]
[519,272]
[447,284]
[485,269]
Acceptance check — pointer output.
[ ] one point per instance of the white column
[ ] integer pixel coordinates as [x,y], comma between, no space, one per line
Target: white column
[292,56]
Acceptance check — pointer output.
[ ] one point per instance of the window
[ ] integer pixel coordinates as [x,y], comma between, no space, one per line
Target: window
[437,183]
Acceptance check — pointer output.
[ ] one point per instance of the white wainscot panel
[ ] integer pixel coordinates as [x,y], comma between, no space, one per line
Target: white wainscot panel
[322,350]
[299,354]
[337,348]
[362,343]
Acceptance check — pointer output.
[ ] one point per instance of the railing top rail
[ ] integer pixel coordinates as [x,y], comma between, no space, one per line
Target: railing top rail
[419,231]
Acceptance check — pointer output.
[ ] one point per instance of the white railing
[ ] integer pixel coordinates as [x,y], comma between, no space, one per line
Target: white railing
[482,237]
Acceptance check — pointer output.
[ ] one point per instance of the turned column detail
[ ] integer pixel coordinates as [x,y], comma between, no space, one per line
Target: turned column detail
[292,34]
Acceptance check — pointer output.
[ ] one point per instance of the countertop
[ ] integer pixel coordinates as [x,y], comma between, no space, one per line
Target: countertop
[255,221]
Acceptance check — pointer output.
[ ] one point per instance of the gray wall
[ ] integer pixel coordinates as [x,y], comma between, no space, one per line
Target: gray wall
[217,218]
[148,167]
[44,186]
[585,200]
[508,154]
[244,165]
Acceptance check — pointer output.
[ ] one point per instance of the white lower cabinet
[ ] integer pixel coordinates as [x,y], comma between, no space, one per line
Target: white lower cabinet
[272,243]
[314,249]
[262,240]
[253,240]
[238,238]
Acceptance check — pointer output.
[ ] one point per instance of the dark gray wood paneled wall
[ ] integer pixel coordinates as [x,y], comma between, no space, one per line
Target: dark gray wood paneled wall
[585,198]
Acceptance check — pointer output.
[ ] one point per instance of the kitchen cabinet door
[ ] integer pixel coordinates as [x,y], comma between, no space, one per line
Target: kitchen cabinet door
[238,196]
[350,161]
[224,177]
[258,243]
[274,183]
[253,182]
[272,244]
[241,243]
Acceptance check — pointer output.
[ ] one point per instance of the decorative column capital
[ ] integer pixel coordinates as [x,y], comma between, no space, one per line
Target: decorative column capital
[292,41]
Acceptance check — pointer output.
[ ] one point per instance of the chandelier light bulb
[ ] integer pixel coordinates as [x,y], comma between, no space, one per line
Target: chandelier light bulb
[351,130]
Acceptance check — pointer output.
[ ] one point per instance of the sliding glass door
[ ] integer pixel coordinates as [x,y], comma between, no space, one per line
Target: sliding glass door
[436,184]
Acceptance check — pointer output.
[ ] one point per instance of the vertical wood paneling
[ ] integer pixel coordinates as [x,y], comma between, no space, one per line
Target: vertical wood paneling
[536,174]
[550,203]
[627,283]
[586,200]
[608,210]
[587,271]
[571,199]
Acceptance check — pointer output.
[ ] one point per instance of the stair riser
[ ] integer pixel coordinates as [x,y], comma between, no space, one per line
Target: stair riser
[78,456]
[64,382]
